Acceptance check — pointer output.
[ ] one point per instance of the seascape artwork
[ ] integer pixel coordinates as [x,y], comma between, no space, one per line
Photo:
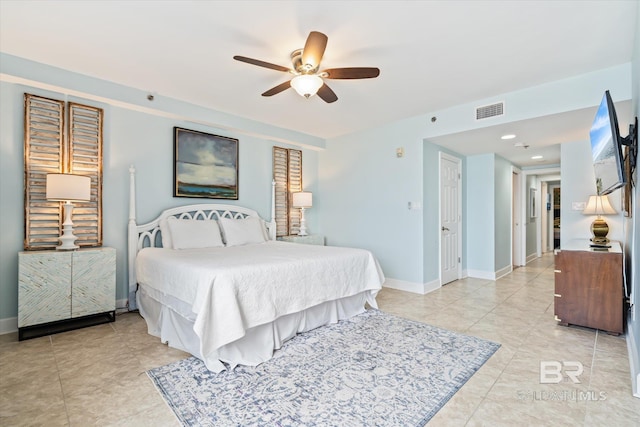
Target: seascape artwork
[206,165]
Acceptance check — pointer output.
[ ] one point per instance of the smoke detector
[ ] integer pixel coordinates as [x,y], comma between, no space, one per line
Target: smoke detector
[521,144]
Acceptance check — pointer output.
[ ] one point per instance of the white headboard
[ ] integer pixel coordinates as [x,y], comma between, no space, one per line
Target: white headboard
[149,235]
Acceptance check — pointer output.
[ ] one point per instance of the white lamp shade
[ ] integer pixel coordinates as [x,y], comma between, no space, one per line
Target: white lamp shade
[306,84]
[68,187]
[303,199]
[599,205]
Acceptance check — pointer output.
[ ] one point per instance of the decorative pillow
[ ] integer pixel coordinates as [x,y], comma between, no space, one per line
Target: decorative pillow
[242,231]
[194,233]
[165,234]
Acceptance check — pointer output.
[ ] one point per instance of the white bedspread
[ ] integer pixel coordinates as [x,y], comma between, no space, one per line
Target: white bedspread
[232,289]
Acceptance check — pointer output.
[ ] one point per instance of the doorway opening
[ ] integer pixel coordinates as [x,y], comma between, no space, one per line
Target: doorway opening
[555,200]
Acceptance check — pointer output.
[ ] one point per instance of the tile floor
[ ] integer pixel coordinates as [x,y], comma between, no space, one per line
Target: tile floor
[96,376]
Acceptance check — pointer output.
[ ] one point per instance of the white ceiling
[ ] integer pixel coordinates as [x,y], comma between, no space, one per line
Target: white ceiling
[432,55]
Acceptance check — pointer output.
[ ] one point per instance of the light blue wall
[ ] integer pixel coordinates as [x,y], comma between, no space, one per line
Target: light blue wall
[503,212]
[136,135]
[11,197]
[365,190]
[479,181]
[431,187]
[578,183]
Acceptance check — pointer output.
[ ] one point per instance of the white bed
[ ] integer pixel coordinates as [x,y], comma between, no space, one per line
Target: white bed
[230,305]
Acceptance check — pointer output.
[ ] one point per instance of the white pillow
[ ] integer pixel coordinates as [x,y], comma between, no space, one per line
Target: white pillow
[165,234]
[242,231]
[194,233]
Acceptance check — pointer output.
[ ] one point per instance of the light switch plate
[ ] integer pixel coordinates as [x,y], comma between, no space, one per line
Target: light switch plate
[578,206]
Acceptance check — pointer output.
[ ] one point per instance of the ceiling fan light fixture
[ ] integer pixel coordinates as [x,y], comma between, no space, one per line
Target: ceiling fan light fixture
[307,85]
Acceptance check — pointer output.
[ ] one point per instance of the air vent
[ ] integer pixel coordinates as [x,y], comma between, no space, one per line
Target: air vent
[492,110]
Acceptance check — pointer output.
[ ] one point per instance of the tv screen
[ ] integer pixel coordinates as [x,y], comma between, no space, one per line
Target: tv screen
[606,148]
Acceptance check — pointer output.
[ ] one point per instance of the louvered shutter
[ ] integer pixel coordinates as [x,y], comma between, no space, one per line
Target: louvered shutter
[287,173]
[43,154]
[280,176]
[48,150]
[295,185]
[85,158]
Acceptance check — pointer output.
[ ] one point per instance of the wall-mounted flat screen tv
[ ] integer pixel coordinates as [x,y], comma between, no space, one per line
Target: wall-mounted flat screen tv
[606,148]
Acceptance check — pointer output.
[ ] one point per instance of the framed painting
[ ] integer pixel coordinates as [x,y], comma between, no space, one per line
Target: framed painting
[205,165]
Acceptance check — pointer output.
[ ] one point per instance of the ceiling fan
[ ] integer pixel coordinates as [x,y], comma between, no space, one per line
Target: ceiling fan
[308,79]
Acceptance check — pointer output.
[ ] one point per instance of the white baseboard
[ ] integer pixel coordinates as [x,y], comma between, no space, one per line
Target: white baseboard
[490,275]
[431,286]
[504,271]
[634,357]
[122,306]
[480,274]
[531,258]
[8,325]
[416,288]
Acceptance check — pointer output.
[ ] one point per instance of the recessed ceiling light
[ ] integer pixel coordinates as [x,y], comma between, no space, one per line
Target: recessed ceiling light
[508,136]
[536,157]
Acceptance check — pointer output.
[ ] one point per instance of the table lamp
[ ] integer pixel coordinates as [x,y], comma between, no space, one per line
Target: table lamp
[68,188]
[302,200]
[599,205]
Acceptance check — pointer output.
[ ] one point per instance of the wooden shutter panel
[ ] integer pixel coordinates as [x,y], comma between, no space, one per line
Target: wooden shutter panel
[48,150]
[85,158]
[43,154]
[280,176]
[287,173]
[295,185]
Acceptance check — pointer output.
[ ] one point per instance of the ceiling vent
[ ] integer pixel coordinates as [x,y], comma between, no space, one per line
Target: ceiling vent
[487,111]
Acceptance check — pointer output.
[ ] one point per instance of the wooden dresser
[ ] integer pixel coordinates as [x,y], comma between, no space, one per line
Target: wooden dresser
[588,286]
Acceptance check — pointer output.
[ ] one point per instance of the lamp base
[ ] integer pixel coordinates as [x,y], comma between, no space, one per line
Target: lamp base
[67,239]
[599,229]
[303,224]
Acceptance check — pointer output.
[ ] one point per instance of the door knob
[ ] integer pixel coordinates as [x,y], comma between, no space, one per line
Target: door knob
[444,228]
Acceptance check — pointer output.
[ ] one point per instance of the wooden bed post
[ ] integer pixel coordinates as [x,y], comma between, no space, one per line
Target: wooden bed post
[132,239]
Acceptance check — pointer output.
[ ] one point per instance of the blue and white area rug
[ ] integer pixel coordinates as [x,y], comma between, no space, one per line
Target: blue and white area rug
[372,370]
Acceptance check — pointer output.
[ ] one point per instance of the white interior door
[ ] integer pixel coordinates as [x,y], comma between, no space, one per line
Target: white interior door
[516,236]
[450,218]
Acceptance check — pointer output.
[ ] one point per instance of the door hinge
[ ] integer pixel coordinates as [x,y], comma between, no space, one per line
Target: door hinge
[458,259]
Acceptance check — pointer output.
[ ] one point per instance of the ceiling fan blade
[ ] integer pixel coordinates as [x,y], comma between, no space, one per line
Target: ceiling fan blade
[314,49]
[327,94]
[276,90]
[352,73]
[261,63]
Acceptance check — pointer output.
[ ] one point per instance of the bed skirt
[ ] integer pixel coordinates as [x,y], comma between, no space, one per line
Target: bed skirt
[172,321]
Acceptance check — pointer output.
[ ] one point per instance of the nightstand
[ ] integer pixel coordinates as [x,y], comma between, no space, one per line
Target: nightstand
[63,290]
[312,239]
